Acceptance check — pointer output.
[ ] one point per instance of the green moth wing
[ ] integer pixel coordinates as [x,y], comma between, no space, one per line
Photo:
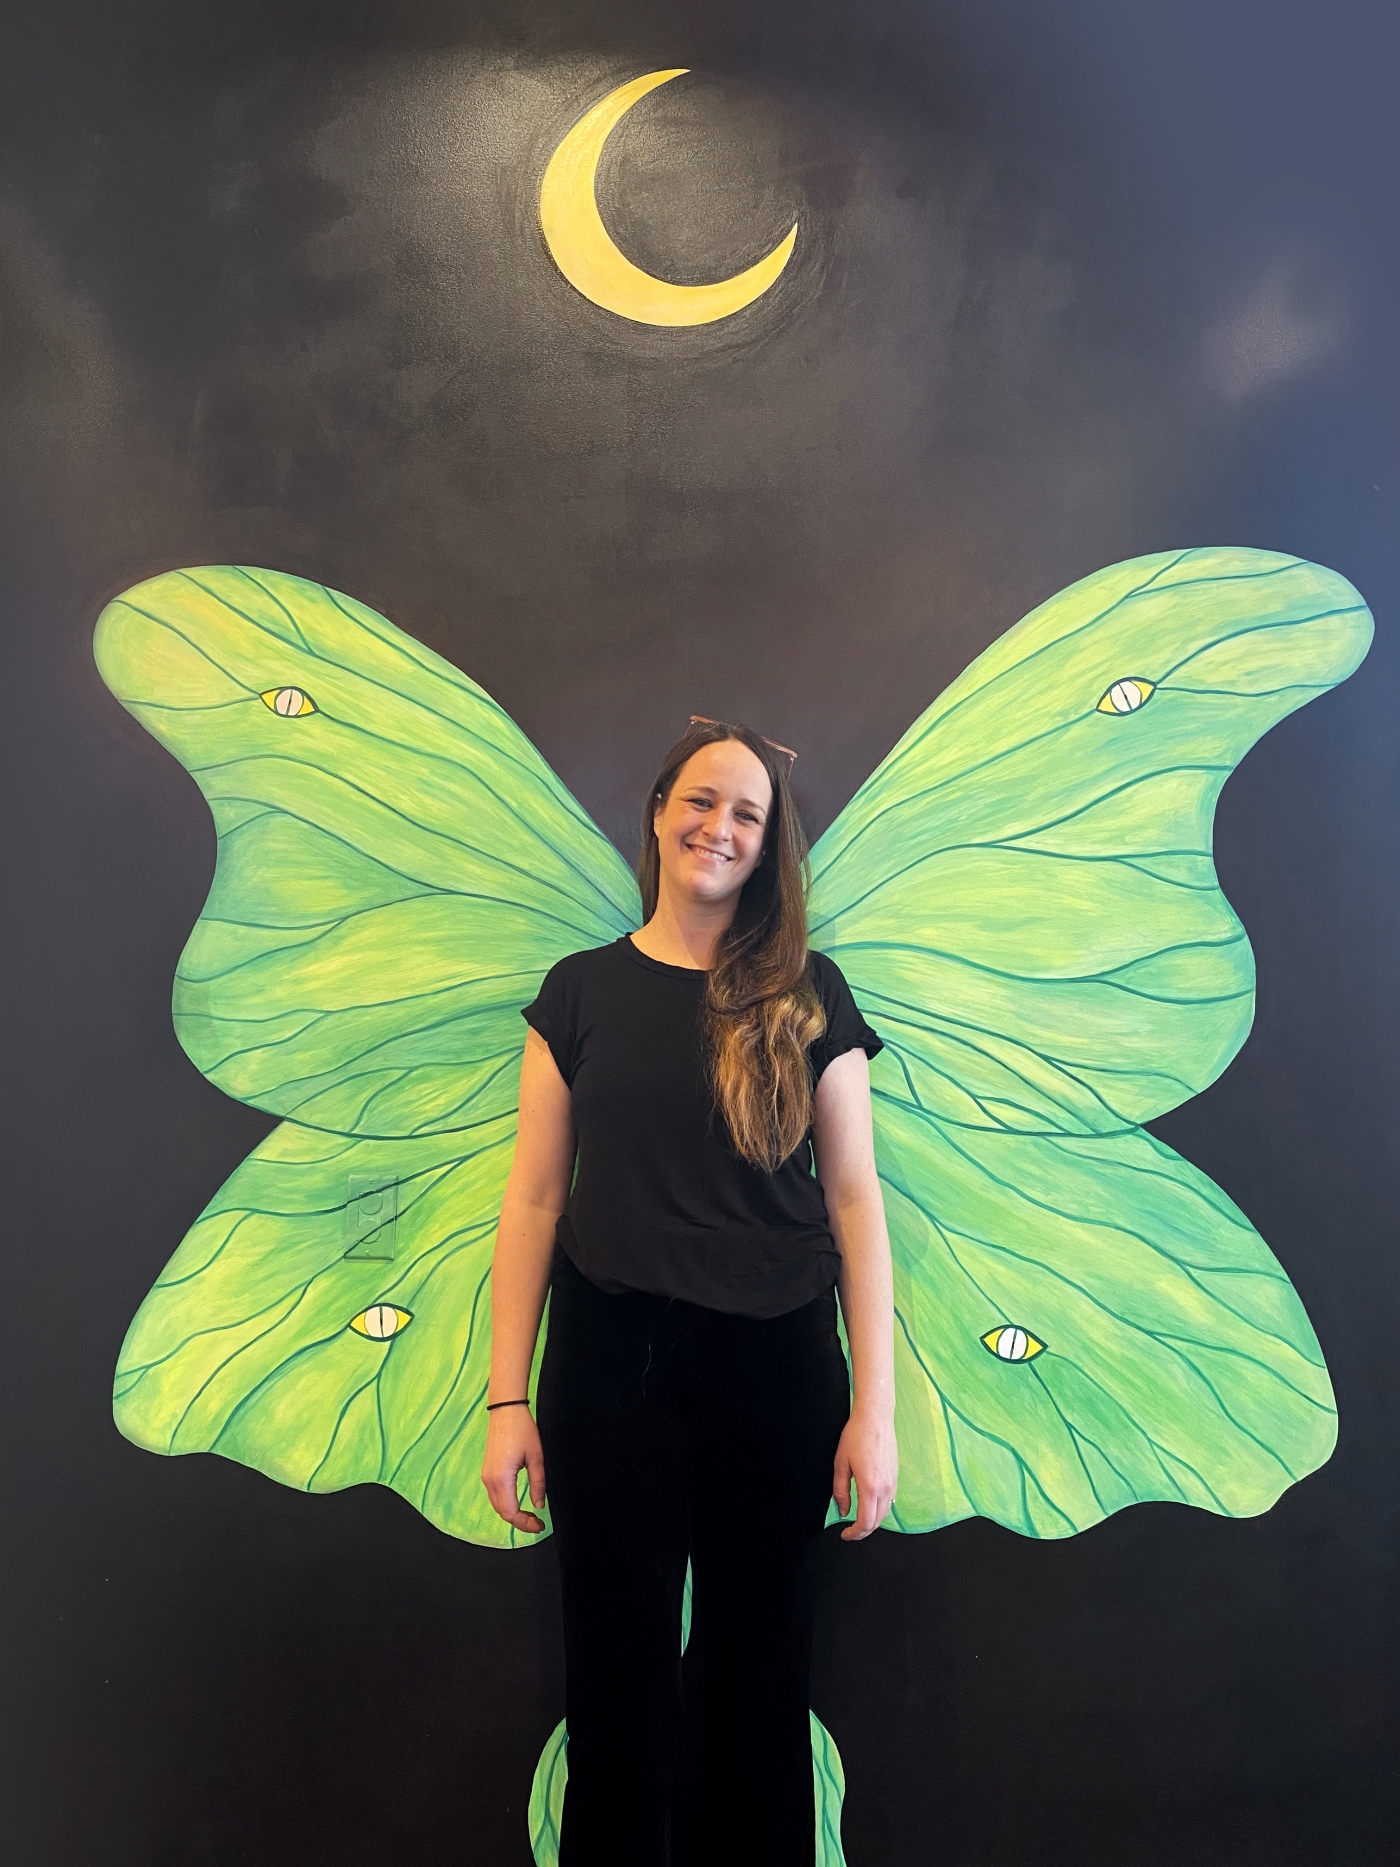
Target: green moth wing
[397,868]
[1024,901]
[326,1320]
[1085,1322]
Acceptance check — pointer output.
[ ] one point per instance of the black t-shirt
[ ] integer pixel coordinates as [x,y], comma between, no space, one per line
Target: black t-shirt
[661,1201]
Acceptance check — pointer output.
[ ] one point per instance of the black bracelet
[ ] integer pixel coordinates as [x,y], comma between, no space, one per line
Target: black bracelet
[492,1405]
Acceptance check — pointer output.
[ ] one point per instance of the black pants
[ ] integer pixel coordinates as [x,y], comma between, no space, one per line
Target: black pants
[672,1431]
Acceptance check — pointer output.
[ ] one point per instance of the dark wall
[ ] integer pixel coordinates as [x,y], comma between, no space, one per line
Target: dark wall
[1076,281]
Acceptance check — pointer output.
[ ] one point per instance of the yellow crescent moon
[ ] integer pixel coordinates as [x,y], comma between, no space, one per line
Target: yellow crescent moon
[583,248]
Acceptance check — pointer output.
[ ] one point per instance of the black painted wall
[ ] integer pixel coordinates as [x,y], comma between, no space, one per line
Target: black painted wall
[1077,281]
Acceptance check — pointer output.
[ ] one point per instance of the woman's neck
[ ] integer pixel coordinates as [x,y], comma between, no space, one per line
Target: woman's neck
[685,933]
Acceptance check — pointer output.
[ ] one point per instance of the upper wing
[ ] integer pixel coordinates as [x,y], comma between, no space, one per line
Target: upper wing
[1024,902]
[1023,893]
[397,865]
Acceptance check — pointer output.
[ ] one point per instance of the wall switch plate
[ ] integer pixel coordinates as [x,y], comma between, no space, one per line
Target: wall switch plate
[371,1213]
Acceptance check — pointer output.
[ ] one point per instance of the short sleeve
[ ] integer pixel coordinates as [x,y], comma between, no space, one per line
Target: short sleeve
[554,1014]
[846,1029]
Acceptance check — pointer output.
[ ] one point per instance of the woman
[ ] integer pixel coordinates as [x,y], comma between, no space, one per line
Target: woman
[694,1401]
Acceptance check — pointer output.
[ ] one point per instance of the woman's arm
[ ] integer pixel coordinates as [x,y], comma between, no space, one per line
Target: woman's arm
[536,1193]
[845,1155]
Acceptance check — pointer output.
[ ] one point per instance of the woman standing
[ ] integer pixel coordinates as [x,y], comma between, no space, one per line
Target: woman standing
[694,1401]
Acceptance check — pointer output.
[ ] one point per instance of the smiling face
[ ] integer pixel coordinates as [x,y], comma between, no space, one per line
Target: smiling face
[710,830]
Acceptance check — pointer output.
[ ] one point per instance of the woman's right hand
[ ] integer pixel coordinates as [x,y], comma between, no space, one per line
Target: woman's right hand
[512,1446]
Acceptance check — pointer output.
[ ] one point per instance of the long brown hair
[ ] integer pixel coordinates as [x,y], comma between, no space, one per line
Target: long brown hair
[761,1007]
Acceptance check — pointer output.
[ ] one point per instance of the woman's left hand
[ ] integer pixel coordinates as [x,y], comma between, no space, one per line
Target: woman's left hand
[868,1453]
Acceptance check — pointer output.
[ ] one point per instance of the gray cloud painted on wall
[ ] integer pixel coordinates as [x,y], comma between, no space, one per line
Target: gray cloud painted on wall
[1291,317]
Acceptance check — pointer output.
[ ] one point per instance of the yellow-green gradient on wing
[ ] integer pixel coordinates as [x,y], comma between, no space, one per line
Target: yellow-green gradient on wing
[397,866]
[248,1345]
[397,869]
[1024,900]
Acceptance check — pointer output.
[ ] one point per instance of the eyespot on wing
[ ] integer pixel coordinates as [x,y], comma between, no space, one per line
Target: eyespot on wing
[1127,695]
[1010,1342]
[381,1321]
[290,703]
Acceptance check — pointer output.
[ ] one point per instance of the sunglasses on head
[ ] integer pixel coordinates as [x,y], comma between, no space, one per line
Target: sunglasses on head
[699,719]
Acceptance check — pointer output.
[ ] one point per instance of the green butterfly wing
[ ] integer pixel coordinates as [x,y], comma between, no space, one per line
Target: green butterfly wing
[265,1341]
[1024,901]
[397,864]
[397,869]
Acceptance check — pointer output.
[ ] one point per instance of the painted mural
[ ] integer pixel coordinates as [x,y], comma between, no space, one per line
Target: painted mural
[1024,901]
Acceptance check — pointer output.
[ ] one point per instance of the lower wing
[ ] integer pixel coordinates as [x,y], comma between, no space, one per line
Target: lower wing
[1082,1323]
[327,1321]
